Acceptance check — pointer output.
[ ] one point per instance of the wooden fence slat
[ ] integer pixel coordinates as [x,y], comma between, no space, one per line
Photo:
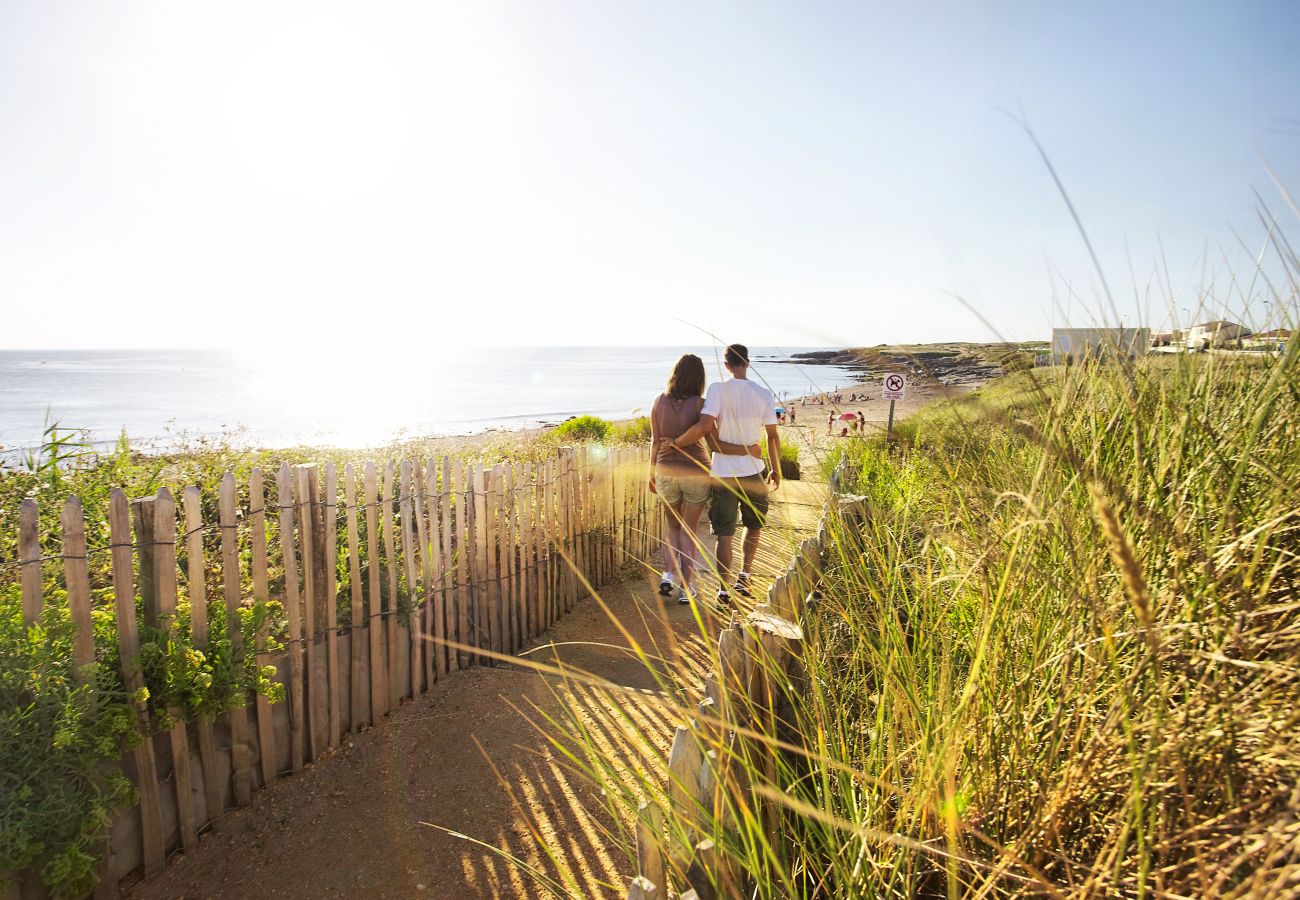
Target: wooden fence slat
[430,545]
[375,620]
[165,581]
[649,852]
[293,615]
[329,573]
[478,604]
[436,499]
[314,684]
[527,558]
[128,645]
[449,624]
[230,577]
[359,629]
[197,586]
[29,559]
[261,592]
[405,503]
[506,536]
[76,576]
[496,623]
[550,492]
[464,568]
[387,501]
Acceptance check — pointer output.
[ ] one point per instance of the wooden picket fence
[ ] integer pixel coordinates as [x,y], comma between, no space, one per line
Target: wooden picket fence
[476,560]
[744,711]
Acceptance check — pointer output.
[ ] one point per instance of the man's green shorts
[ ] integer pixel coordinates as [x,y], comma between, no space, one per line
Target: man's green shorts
[737,499]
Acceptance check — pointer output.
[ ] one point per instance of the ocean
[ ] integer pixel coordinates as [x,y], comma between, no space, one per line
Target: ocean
[345,397]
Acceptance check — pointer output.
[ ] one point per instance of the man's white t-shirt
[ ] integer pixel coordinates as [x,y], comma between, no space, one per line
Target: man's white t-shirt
[742,408]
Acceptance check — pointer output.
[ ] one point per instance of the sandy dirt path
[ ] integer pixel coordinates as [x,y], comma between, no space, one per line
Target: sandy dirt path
[360,823]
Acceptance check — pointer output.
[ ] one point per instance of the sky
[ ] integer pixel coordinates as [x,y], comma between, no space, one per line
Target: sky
[349,175]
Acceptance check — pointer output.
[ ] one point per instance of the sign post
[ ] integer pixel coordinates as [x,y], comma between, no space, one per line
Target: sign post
[893,388]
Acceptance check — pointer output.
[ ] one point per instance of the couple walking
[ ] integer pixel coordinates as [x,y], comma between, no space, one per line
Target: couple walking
[732,422]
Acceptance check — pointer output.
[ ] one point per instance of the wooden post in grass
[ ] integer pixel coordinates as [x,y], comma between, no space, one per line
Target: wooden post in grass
[465,564]
[329,566]
[375,620]
[293,615]
[445,624]
[76,577]
[29,559]
[359,629]
[481,595]
[262,594]
[165,584]
[649,838]
[509,548]
[491,572]
[230,577]
[406,509]
[527,564]
[426,526]
[128,646]
[196,585]
[386,503]
[312,695]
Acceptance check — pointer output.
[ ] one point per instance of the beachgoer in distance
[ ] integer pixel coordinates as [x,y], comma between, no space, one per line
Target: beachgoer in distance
[742,413]
[680,475]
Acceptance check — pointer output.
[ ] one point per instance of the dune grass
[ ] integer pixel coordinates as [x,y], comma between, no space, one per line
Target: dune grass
[1059,656]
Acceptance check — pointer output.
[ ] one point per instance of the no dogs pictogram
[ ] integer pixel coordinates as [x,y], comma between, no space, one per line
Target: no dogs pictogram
[894,387]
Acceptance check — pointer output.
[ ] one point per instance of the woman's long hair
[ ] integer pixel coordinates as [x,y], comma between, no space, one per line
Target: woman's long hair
[687,379]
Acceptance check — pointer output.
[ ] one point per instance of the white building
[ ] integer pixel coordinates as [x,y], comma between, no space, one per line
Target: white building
[1074,345]
[1218,333]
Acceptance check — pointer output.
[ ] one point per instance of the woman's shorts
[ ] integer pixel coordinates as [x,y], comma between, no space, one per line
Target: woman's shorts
[682,488]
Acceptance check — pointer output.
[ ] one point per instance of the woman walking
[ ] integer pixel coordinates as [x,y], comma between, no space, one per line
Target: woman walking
[680,476]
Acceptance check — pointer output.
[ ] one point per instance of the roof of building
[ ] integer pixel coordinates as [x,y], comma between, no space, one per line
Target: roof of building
[1283,333]
[1218,324]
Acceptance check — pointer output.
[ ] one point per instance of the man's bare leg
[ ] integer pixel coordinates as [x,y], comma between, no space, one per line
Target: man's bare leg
[724,560]
[752,536]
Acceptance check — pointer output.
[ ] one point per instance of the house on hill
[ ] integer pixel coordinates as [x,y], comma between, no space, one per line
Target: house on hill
[1268,340]
[1074,345]
[1219,333]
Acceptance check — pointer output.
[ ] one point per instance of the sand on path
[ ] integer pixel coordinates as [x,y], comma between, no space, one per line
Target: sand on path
[360,822]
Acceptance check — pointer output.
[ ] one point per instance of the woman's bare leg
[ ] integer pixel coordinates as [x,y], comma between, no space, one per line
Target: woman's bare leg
[690,513]
[673,540]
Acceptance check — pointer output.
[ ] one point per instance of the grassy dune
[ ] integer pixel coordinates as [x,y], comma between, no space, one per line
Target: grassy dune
[1061,655]
[1058,657]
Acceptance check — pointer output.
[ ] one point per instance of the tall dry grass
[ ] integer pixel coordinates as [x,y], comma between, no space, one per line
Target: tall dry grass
[1060,656]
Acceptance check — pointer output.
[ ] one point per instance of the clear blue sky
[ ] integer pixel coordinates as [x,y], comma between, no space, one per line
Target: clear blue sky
[186,174]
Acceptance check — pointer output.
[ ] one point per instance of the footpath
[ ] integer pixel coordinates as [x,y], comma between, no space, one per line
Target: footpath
[369,820]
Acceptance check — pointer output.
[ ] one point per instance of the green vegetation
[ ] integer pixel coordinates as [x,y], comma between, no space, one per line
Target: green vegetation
[583,428]
[636,431]
[1057,655]
[60,738]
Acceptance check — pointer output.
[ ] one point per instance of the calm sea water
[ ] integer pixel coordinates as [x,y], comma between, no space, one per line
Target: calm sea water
[343,399]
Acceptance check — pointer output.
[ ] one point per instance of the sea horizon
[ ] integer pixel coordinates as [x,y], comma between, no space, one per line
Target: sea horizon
[165,398]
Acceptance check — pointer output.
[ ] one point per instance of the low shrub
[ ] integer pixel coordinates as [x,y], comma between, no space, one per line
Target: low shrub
[583,428]
[636,431]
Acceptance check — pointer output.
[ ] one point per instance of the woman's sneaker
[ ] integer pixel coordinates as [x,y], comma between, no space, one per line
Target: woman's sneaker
[723,598]
[684,596]
[742,585]
[666,584]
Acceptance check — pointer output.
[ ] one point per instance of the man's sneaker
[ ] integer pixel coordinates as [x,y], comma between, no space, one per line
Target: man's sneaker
[723,598]
[742,585]
[666,584]
[684,596]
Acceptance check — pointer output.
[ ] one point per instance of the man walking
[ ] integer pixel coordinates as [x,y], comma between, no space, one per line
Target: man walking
[740,412]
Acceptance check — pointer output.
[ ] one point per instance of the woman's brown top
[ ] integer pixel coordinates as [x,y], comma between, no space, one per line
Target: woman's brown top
[672,417]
